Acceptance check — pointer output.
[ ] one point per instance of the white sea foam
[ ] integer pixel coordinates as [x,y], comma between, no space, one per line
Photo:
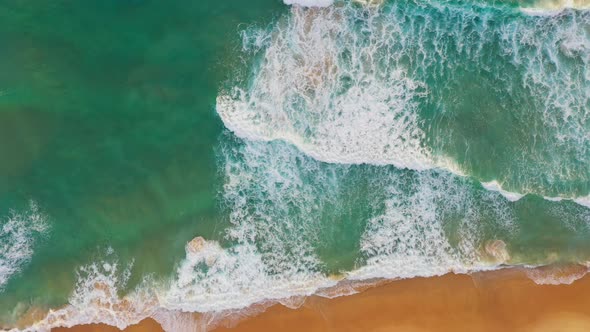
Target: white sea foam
[336,84]
[495,186]
[18,233]
[211,280]
[585,201]
[358,112]
[350,109]
[556,275]
[276,258]
[96,299]
[554,7]
[273,257]
[514,196]
[561,95]
[408,238]
[214,279]
[310,3]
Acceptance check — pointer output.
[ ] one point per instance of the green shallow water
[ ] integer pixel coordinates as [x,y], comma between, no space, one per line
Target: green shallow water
[108,122]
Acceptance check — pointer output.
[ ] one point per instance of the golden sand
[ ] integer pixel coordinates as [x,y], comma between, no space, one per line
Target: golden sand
[489,301]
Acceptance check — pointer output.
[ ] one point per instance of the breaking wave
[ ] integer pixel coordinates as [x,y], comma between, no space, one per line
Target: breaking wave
[395,85]
[351,126]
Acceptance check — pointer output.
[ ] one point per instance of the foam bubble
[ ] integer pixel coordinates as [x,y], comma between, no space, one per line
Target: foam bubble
[18,233]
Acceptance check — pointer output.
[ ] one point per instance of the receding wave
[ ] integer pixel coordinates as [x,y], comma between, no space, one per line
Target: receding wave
[553,7]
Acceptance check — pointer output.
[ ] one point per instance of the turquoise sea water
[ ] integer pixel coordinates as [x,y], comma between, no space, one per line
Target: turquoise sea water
[409,138]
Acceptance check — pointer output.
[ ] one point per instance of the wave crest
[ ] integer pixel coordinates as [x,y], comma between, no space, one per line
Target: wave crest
[396,85]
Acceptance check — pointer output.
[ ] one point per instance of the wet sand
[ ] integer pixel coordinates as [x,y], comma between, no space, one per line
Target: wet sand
[489,301]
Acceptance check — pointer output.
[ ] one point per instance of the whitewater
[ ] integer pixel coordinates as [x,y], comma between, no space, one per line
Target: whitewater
[18,234]
[353,99]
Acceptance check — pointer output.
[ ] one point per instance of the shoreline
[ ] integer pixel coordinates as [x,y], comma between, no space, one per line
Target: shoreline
[502,300]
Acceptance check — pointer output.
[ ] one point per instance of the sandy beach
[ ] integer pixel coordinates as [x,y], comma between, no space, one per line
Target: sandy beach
[488,301]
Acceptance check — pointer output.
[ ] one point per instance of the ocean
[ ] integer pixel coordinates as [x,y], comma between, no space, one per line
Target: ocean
[167,158]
